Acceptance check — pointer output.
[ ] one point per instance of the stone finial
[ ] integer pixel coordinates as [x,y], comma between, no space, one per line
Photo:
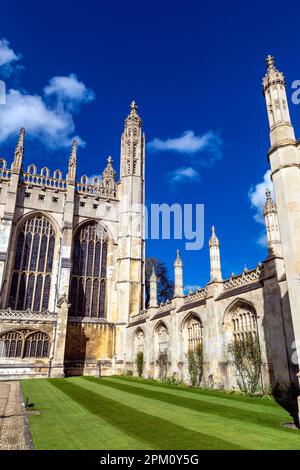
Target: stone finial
[73,161]
[178,276]
[133,105]
[273,75]
[213,241]
[19,151]
[153,277]
[270,205]
[270,62]
[178,261]
[133,117]
[109,172]
[153,289]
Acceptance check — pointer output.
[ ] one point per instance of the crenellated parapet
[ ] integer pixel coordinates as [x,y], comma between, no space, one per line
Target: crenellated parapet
[27,315]
[5,173]
[33,177]
[194,296]
[105,187]
[246,277]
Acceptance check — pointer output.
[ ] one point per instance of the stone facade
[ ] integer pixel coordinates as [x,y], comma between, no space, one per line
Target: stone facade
[92,277]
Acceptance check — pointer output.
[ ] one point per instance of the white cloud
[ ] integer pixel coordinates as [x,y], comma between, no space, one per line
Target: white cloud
[52,123]
[68,91]
[262,240]
[257,196]
[204,149]
[191,287]
[7,57]
[189,143]
[184,174]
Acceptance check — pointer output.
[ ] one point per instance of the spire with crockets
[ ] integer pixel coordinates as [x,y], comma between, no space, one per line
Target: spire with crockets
[19,152]
[214,255]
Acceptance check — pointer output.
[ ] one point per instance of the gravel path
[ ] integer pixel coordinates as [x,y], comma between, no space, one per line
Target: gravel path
[14,428]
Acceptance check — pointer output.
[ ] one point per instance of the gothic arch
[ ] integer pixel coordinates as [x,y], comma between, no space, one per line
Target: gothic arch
[188,317]
[161,338]
[239,302]
[139,330]
[192,331]
[158,325]
[240,320]
[139,340]
[90,221]
[36,213]
[32,262]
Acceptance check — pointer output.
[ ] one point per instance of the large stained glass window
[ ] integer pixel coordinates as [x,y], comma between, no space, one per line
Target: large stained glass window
[32,269]
[88,279]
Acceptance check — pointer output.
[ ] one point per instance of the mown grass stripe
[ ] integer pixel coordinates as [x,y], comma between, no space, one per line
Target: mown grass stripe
[226,411]
[246,434]
[153,431]
[217,395]
[63,424]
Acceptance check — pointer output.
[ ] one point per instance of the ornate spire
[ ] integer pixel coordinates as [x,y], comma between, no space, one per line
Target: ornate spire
[153,277]
[270,62]
[109,179]
[109,171]
[273,76]
[178,261]
[272,226]
[133,118]
[214,255]
[270,205]
[178,275]
[73,162]
[19,151]
[213,241]
[153,289]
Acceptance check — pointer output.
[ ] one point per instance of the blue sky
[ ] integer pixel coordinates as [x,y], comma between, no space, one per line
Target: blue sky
[194,69]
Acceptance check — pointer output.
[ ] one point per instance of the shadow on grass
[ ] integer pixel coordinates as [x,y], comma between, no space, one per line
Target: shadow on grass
[155,432]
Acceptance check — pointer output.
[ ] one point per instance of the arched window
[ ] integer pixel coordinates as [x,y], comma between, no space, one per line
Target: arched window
[244,322]
[88,279]
[32,268]
[139,339]
[162,338]
[24,344]
[194,330]
[36,345]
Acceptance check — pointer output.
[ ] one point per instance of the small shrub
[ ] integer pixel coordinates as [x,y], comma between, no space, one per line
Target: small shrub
[139,361]
[195,365]
[245,356]
[162,362]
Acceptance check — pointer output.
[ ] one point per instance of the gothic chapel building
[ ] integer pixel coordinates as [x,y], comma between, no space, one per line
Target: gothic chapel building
[72,254]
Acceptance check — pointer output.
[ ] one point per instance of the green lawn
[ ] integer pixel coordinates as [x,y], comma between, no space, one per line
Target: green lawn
[124,413]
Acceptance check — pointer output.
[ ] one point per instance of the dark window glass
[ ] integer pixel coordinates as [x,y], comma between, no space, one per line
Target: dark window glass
[29,294]
[26,254]
[21,293]
[50,254]
[43,251]
[35,251]
[102,298]
[38,293]
[47,283]
[19,251]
